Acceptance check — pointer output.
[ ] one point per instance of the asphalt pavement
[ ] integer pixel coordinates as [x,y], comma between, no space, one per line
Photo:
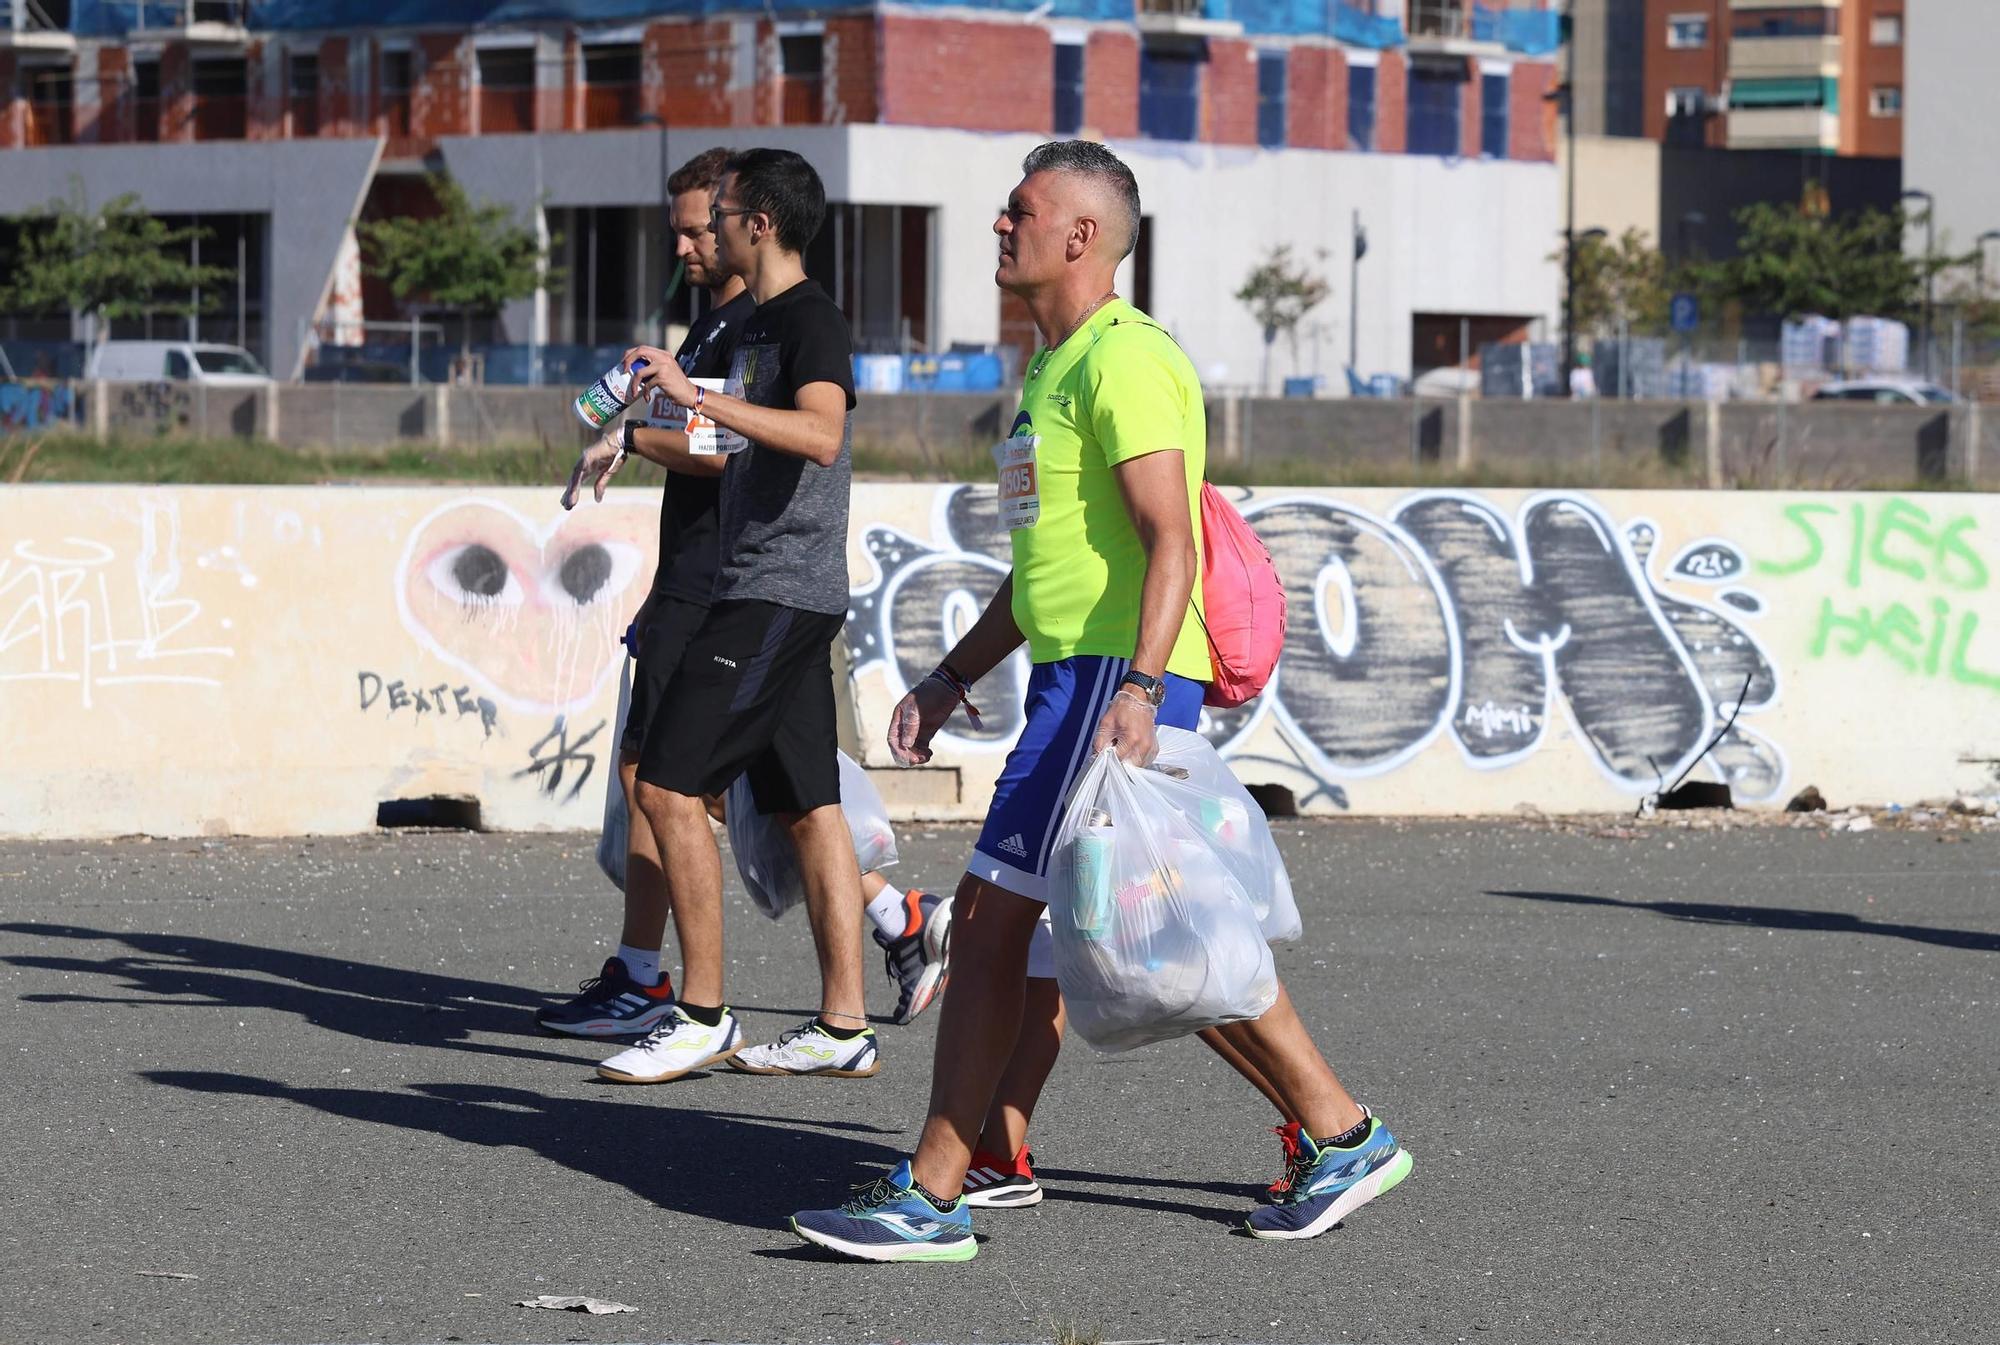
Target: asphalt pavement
[1675,1085]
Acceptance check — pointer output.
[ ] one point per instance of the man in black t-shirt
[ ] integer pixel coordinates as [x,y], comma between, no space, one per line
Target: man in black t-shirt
[632,994]
[754,692]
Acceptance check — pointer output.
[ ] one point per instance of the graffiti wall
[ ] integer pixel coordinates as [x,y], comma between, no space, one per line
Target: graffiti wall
[1453,652]
[275,661]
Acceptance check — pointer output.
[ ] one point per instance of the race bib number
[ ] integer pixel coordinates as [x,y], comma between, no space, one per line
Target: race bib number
[1020,489]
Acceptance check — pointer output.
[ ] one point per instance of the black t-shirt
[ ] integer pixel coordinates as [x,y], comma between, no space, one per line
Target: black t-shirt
[689,532]
[784,520]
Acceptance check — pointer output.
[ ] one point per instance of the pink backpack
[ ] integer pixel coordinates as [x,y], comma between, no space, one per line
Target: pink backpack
[1244,604]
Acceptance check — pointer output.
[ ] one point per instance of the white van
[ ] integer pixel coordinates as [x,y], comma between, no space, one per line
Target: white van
[176,361]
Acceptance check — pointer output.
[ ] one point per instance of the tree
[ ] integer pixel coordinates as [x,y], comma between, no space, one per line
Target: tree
[470,259]
[1802,259]
[116,261]
[1623,281]
[1280,293]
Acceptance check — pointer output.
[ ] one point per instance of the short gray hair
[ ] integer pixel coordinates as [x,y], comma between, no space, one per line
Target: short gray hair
[1087,158]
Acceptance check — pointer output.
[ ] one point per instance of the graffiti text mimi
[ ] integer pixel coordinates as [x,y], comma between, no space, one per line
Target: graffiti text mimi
[1445,617]
[74,610]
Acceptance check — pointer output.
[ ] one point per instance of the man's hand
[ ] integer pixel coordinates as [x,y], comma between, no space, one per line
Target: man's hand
[662,374]
[598,464]
[1128,727]
[916,720]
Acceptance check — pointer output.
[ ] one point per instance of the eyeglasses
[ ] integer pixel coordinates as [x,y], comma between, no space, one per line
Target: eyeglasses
[716,214]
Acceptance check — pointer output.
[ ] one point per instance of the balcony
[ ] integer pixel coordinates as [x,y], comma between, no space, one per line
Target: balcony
[801,101]
[1784,57]
[1448,28]
[506,111]
[1783,128]
[221,116]
[304,110]
[1192,18]
[611,105]
[48,124]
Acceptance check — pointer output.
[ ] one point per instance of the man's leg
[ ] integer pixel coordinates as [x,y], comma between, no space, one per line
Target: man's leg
[991,930]
[645,880]
[692,866]
[1215,1039]
[1035,1052]
[834,906]
[1279,1047]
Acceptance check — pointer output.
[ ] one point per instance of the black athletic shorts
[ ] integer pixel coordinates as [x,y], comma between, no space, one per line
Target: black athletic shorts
[754,692]
[671,623]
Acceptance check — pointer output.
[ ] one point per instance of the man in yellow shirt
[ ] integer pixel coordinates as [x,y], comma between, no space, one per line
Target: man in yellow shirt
[1099,487]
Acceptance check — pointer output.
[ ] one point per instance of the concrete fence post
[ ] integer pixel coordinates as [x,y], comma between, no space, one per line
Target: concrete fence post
[1712,433]
[100,410]
[273,395]
[1972,434]
[1464,429]
[441,414]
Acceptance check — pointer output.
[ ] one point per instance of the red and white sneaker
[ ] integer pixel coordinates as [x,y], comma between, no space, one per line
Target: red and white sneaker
[994,1183]
[1295,1162]
[918,959]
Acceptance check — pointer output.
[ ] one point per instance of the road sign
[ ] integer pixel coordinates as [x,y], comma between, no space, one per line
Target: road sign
[1685,313]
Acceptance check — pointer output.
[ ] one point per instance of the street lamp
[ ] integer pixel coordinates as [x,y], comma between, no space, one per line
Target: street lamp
[1979,244]
[666,213]
[1930,269]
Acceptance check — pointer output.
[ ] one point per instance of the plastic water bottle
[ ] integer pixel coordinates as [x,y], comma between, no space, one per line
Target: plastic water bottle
[606,399]
[1090,900]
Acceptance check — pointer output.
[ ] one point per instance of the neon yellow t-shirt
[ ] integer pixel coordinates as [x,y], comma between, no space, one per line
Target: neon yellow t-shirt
[1119,388]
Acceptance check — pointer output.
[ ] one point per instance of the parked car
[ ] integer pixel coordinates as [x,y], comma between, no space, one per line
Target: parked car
[1886,392]
[176,361]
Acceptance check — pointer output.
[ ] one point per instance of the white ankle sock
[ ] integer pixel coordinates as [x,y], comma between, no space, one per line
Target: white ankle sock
[888,914]
[642,963]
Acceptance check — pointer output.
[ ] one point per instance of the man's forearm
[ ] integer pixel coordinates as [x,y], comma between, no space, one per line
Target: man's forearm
[991,639]
[802,434]
[1163,601]
[669,448]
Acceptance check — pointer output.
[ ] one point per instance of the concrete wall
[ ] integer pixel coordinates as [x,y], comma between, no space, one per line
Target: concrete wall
[1617,185]
[275,661]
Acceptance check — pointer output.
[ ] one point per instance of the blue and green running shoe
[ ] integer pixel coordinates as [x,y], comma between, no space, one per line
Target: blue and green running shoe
[891,1221]
[1328,1184]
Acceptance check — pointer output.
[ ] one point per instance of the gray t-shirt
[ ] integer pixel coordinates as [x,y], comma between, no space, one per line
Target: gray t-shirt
[784,520]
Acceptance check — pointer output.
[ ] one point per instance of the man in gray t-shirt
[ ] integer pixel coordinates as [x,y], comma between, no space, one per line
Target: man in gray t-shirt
[754,691]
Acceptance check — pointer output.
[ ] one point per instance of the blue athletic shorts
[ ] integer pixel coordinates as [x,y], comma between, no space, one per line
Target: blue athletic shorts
[1065,700]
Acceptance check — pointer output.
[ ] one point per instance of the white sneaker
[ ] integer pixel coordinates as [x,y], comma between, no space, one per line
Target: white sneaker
[807,1049]
[677,1046]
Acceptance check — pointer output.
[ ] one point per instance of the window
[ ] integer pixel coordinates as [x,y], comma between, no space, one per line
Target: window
[1493,91]
[1686,102]
[177,364]
[1885,100]
[612,83]
[302,91]
[1687,32]
[1436,98]
[801,62]
[51,91]
[1068,119]
[1886,30]
[1271,99]
[1361,106]
[146,100]
[220,87]
[1170,92]
[506,90]
[1804,21]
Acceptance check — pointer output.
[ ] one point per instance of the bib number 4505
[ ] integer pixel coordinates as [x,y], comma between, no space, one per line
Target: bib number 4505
[1020,496]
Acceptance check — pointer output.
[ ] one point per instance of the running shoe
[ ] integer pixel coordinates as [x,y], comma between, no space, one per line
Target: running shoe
[917,958]
[996,1183]
[677,1046]
[611,1004]
[811,1049]
[891,1221]
[1288,1135]
[1328,1184]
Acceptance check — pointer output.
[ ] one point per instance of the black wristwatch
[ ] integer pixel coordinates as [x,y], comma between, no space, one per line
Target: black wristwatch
[1153,688]
[626,444]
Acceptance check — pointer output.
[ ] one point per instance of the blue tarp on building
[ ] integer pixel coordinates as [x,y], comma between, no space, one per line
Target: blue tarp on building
[1532,32]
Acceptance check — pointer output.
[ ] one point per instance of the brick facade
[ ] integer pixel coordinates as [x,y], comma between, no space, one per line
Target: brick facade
[1532,114]
[1229,104]
[113,122]
[688,70]
[1111,85]
[1392,94]
[853,73]
[1471,106]
[176,93]
[1866,67]
[336,103]
[1316,98]
[932,68]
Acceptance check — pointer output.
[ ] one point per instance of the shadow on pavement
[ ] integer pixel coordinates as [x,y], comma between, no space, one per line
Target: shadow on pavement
[734,1171]
[377,1003]
[1777,917]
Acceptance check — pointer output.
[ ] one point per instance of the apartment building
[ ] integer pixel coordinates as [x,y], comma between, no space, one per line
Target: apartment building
[1823,76]
[1250,123]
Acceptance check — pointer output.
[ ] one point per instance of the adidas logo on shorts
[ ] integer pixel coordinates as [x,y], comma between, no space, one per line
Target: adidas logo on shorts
[1015,846]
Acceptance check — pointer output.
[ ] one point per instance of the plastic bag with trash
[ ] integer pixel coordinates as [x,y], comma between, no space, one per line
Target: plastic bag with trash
[1156,934]
[764,855]
[1191,775]
[613,839]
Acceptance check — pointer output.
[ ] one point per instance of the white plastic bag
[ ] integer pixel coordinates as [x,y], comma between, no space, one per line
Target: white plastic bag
[764,855]
[1191,775]
[1155,936]
[614,840]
